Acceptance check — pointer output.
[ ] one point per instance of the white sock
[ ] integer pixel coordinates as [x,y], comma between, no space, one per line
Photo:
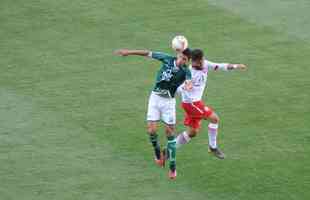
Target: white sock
[182,138]
[212,129]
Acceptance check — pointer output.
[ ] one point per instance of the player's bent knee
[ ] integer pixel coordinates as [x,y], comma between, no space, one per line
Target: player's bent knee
[214,118]
[193,133]
[169,129]
[151,128]
[151,131]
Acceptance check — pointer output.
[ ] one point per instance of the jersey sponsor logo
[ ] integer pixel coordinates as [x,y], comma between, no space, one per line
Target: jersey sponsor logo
[199,81]
[166,75]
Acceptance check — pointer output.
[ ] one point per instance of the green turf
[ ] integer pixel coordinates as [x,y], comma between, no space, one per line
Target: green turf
[72,115]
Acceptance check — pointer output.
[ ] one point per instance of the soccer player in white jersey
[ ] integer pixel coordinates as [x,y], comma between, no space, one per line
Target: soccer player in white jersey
[194,107]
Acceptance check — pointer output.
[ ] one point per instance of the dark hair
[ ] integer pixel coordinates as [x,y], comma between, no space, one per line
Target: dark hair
[197,55]
[188,53]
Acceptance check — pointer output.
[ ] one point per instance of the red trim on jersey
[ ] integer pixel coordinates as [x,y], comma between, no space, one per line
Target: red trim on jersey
[195,112]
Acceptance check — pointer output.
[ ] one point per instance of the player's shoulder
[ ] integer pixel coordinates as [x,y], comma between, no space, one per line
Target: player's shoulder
[186,67]
[205,62]
[205,66]
[162,55]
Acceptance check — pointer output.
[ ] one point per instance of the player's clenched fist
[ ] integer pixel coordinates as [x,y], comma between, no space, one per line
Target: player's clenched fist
[242,66]
[122,52]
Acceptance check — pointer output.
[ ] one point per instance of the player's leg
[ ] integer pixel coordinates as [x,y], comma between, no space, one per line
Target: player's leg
[171,149]
[191,132]
[213,133]
[213,129]
[152,131]
[169,118]
[153,116]
[192,119]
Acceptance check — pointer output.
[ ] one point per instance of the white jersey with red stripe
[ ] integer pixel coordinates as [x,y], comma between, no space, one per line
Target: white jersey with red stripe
[199,80]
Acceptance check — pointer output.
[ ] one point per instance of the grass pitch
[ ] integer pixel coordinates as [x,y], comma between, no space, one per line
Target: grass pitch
[72,115]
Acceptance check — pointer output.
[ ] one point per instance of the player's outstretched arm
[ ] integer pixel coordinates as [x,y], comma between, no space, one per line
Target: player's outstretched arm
[224,66]
[126,52]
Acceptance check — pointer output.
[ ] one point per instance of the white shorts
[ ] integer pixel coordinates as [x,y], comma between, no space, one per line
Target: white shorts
[161,108]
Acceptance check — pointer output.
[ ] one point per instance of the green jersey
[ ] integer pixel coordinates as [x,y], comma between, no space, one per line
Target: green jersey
[169,77]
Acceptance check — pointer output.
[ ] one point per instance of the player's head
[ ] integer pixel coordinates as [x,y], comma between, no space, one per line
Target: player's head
[184,57]
[197,58]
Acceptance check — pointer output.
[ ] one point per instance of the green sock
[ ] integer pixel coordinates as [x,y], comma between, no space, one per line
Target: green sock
[171,149]
[155,144]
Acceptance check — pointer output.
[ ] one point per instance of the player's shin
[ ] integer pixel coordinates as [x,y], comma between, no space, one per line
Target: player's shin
[171,150]
[155,144]
[212,130]
[182,138]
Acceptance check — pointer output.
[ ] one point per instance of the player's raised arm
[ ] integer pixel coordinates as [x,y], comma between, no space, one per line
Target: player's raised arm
[126,52]
[152,54]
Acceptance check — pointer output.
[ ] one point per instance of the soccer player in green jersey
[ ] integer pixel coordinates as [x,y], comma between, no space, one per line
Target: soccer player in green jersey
[161,106]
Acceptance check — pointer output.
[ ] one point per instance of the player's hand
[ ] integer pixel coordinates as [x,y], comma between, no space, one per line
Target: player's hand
[241,66]
[122,52]
[188,85]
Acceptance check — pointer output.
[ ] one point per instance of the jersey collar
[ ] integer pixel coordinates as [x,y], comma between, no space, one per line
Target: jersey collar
[175,67]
